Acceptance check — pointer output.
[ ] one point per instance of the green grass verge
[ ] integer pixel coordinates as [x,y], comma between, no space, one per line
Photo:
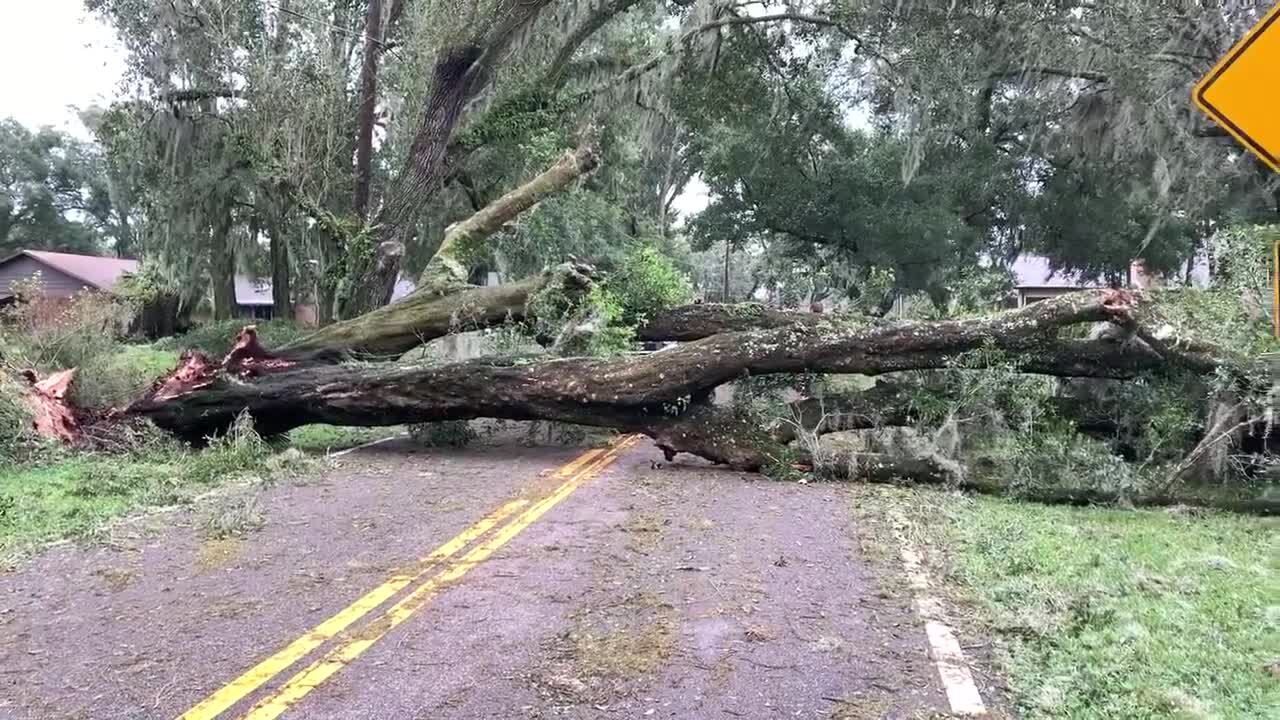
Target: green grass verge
[57,497]
[1109,613]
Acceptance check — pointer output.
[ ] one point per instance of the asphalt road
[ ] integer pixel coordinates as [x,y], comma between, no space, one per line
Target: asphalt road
[493,582]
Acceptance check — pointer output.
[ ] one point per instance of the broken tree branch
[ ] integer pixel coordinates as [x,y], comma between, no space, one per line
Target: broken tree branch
[463,243]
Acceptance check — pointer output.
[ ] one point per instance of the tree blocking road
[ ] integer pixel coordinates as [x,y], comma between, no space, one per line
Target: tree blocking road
[664,395]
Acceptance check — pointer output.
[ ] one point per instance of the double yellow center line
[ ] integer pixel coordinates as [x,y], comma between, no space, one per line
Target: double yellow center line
[439,569]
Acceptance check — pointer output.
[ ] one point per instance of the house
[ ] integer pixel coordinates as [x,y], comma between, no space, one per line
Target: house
[1035,280]
[65,274]
[61,274]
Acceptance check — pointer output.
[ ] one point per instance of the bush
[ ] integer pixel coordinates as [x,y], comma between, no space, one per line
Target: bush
[647,282]
[216,338]
[446,433]
[114,379]
[48,333]
[17,439]
[1052,457]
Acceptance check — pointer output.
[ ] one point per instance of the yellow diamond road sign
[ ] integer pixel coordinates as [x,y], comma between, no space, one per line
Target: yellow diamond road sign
[1242,92]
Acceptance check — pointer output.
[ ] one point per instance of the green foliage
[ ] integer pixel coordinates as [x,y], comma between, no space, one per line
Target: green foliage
[603,332]
[445,434]
[1103,613]
[144,286]
[1236,312]
[525,112]
[578,222]
[53,195]
[114,379]
[646,282]
[1053,457]
[216,338]
[1022,432]
[603,323]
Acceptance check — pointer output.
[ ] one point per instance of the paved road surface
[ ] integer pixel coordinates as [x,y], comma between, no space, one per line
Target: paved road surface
[605,588]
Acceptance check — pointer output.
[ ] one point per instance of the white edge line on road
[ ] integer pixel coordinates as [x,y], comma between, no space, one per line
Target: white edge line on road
[369,444]
[953,667]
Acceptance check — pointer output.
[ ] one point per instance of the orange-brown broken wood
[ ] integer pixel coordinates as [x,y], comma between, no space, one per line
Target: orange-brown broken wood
[194,370]
[248,358]
[53,416]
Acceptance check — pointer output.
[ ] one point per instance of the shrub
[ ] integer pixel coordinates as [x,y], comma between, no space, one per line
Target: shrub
[446,433]
[49,333]
[114,379]
[1052,457]
[17,439]
[647,282]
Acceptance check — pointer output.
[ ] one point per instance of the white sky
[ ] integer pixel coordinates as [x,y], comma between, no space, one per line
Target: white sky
[56,56]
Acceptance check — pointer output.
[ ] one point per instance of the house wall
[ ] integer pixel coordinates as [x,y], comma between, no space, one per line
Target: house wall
[56,283]
[1026,296]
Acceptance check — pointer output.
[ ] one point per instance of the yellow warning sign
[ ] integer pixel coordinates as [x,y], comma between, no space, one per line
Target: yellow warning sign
[1242,92]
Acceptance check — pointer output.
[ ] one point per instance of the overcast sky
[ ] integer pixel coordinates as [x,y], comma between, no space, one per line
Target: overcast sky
[55,56]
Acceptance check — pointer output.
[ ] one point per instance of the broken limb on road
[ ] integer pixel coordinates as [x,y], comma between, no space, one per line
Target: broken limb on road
[663,395]
[660,394]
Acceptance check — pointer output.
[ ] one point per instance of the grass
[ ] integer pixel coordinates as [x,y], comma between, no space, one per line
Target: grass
[62,496]
[215,338]
[119,377]
[321,439]
[1110,613]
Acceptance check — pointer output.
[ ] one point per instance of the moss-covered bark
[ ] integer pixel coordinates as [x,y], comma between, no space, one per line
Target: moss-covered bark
[632,392]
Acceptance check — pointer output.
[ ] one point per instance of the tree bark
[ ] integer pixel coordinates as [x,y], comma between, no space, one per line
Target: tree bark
[281,295]
[222,267]
[644,393]
[393,330]
[366,106]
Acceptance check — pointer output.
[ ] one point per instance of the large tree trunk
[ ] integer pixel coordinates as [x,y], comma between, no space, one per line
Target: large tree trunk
[461,72]
[646,393]
[281,295]
[222,267]
[393,330]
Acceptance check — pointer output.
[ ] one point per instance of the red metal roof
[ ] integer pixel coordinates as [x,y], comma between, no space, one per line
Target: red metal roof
[100,272]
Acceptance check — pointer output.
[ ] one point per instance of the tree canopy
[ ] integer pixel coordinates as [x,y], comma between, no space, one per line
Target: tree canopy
[849,149]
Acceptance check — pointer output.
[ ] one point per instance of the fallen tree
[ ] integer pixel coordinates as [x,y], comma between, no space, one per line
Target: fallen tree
[326,377]
[647,393]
